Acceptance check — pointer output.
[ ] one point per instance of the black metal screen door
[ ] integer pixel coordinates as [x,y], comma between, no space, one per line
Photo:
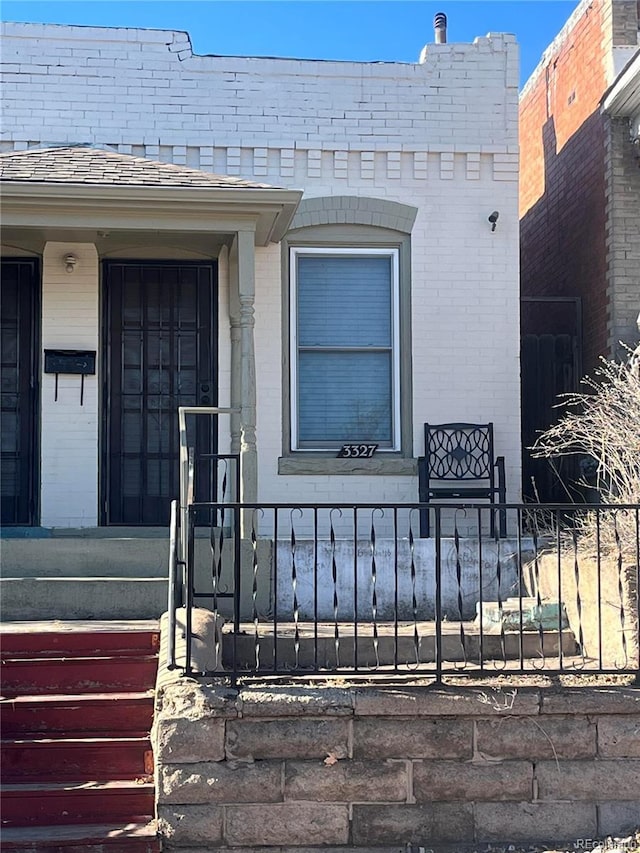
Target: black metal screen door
[160,333]
[19,316]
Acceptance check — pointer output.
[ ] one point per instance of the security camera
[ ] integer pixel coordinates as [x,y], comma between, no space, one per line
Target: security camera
[493,218]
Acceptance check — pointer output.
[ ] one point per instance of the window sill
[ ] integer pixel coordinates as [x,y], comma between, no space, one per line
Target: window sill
[381,465]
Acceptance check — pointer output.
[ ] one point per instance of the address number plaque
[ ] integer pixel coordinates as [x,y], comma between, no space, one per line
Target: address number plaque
[357,451]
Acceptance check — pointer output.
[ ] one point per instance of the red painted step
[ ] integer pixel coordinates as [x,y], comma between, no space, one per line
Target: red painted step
[127,838]
[125,713]
[20,644]
[76,756]
[43,759]
[36,676]
[77,803]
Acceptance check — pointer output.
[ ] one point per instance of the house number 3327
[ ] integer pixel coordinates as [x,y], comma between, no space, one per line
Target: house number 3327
[361,451]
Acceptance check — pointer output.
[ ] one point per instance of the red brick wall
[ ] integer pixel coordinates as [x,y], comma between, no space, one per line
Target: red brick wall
[562,189]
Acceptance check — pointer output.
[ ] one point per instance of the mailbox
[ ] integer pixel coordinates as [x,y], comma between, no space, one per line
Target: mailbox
[81,362]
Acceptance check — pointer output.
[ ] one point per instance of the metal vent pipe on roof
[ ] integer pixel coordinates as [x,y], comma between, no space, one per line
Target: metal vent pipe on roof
[440,26]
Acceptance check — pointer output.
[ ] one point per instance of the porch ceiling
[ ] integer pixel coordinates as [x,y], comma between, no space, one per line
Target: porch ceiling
[118,243]
[82,189]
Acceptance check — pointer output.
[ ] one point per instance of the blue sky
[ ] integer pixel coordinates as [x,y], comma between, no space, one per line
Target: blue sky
[319,29]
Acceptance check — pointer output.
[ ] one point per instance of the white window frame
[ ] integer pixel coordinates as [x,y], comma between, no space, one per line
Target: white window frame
[393,254]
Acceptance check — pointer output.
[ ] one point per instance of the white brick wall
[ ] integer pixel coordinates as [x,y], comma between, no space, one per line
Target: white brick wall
[133,88]
[69,431]
[440,135]
[465,327]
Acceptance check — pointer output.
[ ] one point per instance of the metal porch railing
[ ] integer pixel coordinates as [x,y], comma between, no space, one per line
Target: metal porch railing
[311,590]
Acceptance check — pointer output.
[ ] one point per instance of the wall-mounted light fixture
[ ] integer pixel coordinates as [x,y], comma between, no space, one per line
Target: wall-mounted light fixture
[70,262]
[493,219]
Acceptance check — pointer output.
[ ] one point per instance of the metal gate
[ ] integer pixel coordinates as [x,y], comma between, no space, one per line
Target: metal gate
[19,313]
[160,333]
[550,367]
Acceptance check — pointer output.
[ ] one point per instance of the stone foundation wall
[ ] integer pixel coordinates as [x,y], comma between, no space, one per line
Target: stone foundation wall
[375,768]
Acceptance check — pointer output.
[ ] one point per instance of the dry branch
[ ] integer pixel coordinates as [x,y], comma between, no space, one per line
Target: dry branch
[603,423]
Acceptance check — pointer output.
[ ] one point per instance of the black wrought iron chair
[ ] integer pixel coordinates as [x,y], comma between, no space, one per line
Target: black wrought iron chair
[459,464]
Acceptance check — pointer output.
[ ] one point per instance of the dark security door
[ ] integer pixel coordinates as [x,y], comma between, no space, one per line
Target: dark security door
[550,356]
[19,320]
[160,334]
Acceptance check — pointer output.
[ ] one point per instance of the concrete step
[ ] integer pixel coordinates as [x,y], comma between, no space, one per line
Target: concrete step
[129,713]
[42,759]
[100,838]
[37,598]
[460,642]
[99,551]
[76,803]
[46,675]
[140,552]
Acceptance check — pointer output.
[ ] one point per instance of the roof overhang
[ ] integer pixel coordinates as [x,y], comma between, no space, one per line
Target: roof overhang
[266,211]
[623,98]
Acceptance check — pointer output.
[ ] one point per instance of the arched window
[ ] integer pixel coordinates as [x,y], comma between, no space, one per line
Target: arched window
[348,282]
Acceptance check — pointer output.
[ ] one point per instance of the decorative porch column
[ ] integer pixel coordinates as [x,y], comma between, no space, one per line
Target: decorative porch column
[243,359]
[234,323]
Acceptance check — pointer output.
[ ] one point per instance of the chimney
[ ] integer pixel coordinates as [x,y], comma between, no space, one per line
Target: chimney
[440,26]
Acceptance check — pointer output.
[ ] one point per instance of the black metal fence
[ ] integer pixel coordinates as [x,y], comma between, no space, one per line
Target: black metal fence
[326,590]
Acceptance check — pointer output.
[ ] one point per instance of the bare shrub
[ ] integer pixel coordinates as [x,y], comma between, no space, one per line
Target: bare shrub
[598,581]
[603,424]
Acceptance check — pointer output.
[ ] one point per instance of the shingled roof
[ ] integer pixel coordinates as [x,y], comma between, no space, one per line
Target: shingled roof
[84,165]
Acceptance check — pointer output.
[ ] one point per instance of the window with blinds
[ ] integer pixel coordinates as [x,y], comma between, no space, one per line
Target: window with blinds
[344,342]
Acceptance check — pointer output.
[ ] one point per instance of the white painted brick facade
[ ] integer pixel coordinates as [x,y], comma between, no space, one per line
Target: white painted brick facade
[69,431]
[440,135]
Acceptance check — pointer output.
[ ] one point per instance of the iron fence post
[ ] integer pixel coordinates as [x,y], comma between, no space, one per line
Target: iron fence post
[438,591]
[237,591]
[190,589]
[172,589]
